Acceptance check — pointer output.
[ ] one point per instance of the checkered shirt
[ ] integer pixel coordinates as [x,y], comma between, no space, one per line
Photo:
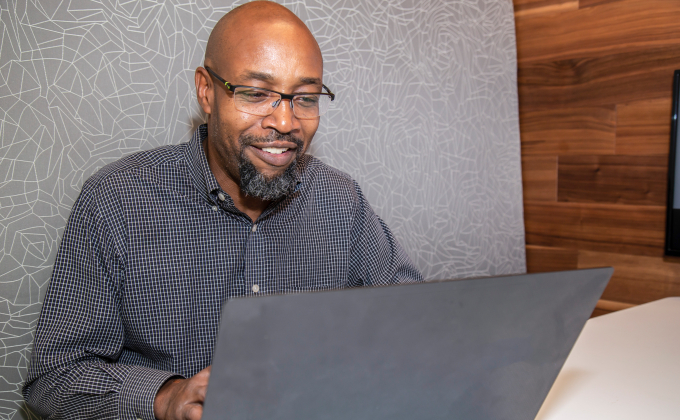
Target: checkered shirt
[151,251]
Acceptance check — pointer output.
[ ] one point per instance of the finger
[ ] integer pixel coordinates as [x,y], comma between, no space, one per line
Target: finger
[196,389]
[200,392]
[202,377]
[193,412]
[197,383]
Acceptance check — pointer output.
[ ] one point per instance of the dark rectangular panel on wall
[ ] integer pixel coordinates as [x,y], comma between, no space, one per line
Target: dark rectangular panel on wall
[612,179]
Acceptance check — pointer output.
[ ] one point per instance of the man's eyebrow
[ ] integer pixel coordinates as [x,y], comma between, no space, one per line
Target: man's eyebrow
[266,77]
[257,75]
[310,81]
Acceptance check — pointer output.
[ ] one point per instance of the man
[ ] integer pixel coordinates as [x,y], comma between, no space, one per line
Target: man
[158,241]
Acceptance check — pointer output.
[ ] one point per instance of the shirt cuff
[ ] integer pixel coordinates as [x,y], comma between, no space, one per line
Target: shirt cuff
[139,391]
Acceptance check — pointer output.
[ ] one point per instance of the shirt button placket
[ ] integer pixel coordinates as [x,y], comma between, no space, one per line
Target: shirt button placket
[255,288]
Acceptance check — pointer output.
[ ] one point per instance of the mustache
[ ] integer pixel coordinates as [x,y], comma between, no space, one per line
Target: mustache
[249,139]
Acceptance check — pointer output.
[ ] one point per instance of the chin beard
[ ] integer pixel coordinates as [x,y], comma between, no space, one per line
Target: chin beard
[257,185]
[254,183]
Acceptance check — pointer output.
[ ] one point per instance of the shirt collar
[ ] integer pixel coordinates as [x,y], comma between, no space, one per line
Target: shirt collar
[201,175]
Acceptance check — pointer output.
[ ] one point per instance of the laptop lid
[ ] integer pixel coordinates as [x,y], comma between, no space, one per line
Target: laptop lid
[487,348]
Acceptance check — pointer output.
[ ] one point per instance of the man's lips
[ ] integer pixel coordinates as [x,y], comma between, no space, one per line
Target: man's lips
[275,153]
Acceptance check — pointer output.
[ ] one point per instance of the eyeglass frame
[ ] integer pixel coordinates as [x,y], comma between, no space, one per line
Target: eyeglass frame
[287,96]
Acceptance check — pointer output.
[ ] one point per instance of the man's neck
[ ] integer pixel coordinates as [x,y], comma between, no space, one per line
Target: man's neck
[251,206]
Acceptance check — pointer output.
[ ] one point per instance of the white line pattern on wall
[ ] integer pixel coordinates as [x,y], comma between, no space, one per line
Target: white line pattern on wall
[425,120]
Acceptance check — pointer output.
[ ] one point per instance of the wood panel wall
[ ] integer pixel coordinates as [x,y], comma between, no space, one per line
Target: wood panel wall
[595,81]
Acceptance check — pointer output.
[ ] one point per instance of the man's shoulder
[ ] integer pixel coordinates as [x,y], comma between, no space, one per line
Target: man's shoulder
[320,174]
[318,170]
[159,163]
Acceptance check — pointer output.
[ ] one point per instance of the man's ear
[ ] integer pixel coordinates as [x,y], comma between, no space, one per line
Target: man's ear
[204,89]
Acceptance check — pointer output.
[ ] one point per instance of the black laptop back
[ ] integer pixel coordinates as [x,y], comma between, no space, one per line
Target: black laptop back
[469,349]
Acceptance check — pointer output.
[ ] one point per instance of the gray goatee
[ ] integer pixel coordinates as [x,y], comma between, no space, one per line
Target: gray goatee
[255,184]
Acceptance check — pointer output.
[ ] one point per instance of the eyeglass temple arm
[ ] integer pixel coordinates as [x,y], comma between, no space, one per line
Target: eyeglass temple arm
[227,84]
[332,95]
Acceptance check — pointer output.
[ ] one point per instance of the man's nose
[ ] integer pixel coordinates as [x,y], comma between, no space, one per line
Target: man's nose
[282,119]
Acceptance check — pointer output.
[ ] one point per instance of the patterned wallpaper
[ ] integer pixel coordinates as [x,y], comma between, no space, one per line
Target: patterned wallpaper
[426,120]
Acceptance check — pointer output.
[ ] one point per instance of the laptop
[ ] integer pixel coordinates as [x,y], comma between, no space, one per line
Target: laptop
[486,348]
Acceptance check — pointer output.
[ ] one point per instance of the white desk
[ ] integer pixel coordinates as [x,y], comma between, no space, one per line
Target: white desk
[625,365]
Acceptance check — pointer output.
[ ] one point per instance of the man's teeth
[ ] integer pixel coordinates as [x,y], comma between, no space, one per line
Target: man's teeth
[274,150]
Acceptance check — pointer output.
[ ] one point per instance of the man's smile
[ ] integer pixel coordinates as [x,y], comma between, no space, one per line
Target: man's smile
[278,153]
[274,150]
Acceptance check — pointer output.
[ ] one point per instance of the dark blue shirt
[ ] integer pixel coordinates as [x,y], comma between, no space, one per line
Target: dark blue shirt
[154,247]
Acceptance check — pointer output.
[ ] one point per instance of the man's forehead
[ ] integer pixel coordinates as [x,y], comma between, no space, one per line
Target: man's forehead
[271,78]
[277,81]
[283,58]
[263,37]
[259,32]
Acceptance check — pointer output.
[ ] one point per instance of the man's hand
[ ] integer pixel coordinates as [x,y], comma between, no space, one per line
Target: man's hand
[182,399]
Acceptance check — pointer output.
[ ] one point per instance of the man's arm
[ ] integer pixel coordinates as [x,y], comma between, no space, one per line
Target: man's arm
[80,335]
[376,257]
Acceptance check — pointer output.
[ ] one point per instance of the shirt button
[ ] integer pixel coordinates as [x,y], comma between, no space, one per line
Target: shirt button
[255,288]
[214,208]
[254,228]
[221,197]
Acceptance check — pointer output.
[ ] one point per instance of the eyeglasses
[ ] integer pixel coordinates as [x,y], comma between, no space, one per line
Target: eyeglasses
[263,102]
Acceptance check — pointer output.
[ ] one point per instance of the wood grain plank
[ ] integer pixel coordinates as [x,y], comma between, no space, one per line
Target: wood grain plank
[621,179]
[644,127]
[625,229]
[539,178]
[612,305]
[587,130]
[605,80]
[622,26]
[582,4]
[599,312]
[534,7]
[542,259]
[637,279]
[604,307]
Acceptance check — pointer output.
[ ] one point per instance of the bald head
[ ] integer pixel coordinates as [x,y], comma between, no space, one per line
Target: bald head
[255,24]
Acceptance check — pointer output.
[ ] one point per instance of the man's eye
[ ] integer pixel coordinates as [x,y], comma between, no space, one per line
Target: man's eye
[252,95]
[307,101]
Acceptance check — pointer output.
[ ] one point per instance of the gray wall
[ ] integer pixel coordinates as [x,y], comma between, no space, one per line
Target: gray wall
[426,121]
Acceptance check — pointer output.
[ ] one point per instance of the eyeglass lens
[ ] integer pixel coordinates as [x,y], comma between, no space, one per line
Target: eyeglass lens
[262,102]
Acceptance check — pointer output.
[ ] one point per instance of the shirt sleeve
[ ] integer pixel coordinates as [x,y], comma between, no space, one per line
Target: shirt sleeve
[74,371]
[377,258]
